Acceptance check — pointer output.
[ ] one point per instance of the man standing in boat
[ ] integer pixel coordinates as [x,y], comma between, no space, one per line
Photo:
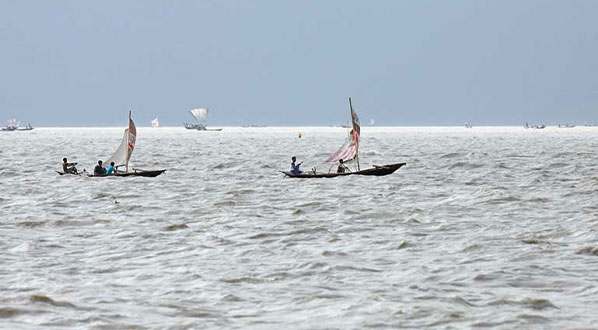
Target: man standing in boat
[295,167]
[68,167]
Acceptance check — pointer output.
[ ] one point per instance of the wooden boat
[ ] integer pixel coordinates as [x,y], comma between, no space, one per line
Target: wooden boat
[377,170]
[15,125]
[135,172]
[147,174]
[349,151]
[121,157]
[201,115]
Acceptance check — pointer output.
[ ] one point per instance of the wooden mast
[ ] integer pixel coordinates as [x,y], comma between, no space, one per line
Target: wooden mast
[353,128]
[128,135]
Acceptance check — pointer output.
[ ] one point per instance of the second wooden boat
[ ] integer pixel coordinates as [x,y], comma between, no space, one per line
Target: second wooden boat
[348,152]
[377,170]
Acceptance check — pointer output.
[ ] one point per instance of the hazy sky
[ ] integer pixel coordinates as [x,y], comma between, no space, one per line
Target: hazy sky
[85,63]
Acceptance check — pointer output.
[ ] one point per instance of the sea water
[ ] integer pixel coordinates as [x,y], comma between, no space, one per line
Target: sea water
[483,228]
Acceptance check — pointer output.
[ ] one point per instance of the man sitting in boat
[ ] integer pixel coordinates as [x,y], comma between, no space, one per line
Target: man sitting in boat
[341,166]
[110,169]
[99,170]
[295,167]
[68,167]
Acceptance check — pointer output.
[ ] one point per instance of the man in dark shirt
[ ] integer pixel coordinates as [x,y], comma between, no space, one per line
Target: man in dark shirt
[341,167]
[99,170]
[294,166]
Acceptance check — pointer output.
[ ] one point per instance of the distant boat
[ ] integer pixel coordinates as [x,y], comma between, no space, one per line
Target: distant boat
[349,151]
[566,126]
[14,125]
[201,115]
[542,126]
[155,123]
[123,154]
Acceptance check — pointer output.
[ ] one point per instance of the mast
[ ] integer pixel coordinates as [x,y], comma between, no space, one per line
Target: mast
[128,134]
[353,127]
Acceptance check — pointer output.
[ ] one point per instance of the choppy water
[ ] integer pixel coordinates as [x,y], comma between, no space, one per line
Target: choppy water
[484,228]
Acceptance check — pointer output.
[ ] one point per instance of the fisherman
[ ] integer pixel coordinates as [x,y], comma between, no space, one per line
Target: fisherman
[99,170]
[294,166]
[341,166]
[68,167]
[110,169]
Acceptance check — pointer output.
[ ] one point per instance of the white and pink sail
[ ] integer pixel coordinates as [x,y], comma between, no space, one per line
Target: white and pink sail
[125,149]
[350,149]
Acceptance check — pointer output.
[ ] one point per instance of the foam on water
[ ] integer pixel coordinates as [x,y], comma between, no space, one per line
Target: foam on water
[485,227]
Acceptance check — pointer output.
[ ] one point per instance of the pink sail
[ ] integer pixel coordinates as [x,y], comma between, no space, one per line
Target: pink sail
[350,149]
[132,137]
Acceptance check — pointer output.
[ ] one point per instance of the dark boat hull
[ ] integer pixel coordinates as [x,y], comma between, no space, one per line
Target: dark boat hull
[147,174]
[199,127]
[375,171]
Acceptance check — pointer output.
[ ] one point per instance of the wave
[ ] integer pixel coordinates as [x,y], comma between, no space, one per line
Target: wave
[533,303]
[452,155]
[6,312]
[47,300]
[174,227]
[588,250]
[465,165]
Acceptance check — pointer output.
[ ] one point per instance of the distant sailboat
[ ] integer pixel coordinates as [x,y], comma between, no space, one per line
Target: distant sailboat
[155,123]
[566,126]
[542,126]
[349,151]
[201,115]
[14,125]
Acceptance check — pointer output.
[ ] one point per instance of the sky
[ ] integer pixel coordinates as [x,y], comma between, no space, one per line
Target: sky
[294,63]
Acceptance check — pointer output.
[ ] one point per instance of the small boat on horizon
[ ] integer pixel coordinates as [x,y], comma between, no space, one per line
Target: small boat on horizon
[542,126]
[566,126]
[201,116]
[15,125]
[155,123]
[349,151]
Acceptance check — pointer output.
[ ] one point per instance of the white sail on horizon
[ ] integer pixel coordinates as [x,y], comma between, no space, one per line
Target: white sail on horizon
[201,114]
[155,123]
[13,123]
